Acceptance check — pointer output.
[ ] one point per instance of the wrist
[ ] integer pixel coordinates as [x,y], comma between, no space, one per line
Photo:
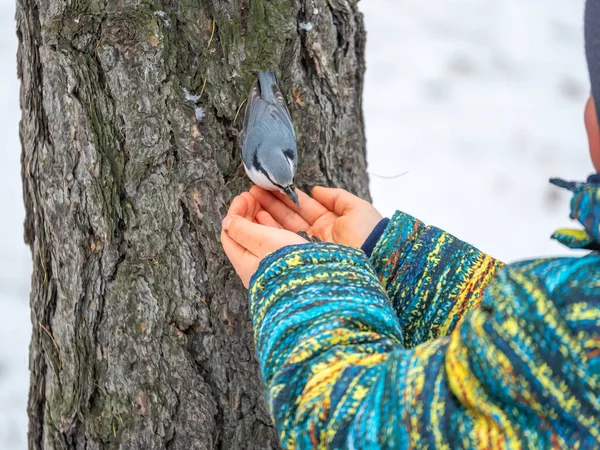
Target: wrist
[369,244]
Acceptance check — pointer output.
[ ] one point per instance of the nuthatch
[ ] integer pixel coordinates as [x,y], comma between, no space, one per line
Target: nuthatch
[268,141]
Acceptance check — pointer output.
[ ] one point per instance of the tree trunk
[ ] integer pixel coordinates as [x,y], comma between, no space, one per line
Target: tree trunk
[141,335]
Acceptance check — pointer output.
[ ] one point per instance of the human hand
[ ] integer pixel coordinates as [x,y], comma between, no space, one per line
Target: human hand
[246,242]
[332,215]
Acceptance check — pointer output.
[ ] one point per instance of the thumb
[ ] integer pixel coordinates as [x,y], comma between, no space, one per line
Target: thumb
[258,239]
[339,201]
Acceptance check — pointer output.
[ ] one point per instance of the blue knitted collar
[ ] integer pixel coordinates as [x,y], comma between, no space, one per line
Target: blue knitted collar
[585,208]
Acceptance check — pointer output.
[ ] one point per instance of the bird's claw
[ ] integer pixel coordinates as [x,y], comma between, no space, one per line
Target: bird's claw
[309,238]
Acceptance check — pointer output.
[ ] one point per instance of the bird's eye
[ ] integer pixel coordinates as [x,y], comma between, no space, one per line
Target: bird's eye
[289,153]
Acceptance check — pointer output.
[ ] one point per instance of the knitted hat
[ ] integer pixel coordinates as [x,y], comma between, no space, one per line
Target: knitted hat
[592,46]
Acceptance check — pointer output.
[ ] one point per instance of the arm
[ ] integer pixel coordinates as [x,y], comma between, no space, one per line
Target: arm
[322,322]
[338,376]
[432,278]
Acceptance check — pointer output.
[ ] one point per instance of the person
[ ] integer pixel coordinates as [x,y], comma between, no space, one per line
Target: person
[394,334]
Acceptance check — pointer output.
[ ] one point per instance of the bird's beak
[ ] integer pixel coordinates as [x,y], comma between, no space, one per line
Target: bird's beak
[291,193]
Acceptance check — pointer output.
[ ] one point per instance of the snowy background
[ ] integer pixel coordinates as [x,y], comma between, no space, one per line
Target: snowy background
[481,101]
[15,259]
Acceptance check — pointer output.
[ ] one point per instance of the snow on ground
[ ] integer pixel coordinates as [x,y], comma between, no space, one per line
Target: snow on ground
[479,100]
[15,265]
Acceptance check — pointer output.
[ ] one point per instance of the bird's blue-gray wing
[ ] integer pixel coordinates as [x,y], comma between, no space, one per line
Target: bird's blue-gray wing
[266,135]
[267,123]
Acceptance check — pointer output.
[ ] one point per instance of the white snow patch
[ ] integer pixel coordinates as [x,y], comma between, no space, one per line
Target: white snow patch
[194,98]
[200,114]
[163,16]
[308,26]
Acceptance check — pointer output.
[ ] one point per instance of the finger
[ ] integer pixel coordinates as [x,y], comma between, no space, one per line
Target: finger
[258,239]
[310,209]
[323,227]
[238,207]
[282,213]
[253,206]
[243,262]
[264,218]
[337,200]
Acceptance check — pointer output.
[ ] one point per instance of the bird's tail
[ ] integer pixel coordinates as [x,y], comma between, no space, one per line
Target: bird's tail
[267,80]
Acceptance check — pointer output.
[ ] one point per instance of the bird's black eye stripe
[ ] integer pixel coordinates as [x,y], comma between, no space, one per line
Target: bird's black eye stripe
[289,153]
[265,173]
[255,162]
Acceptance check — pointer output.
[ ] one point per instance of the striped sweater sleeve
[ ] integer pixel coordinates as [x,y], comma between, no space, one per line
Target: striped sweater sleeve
[323,327]
[431,277]
[338,376]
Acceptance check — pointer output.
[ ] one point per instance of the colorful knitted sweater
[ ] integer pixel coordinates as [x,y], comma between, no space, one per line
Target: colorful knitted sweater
[431,343]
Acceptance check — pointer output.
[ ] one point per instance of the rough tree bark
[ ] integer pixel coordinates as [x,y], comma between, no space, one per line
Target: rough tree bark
[141,336]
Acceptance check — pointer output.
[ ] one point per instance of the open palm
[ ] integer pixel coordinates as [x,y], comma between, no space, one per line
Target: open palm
[332,215]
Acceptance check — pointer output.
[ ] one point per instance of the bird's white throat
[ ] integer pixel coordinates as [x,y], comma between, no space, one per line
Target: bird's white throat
[260,179]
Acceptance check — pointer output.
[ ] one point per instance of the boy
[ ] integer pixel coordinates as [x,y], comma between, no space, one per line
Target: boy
[425,341]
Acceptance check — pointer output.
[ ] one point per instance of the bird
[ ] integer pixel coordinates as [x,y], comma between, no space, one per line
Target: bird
[268,139]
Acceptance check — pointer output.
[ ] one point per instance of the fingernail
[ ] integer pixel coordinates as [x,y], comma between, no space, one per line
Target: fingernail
[226,222]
